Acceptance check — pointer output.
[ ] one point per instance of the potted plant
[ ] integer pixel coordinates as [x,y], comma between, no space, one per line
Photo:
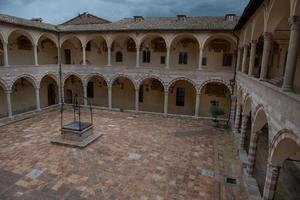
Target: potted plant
[216,111]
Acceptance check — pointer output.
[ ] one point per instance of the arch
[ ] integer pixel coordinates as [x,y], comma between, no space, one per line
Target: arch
[66,76]
[73,88]
[216,81]
[115,77]
[278,10]
[64,38]
[183,35]
[50,74]
[28,77]
[50,36]
[94,36]
[3,84]
[92,75]
[258,26]
[145,36]
[211,37]
[97,89]
[153,77]
[2,37]
[247,105]
[260,119]
[49,89]
[22,32]
[182,79]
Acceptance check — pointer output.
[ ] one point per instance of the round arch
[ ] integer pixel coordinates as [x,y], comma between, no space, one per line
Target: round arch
[66,76]
[89,38]
[28,77]
[260,119]
[151,77]
[49,36]
[49,74]
[26,33]
[64,38]
[279,10]
[148,35]
[97,89]
[182,79]
[247,104]
[211,37]
[49,89]
[73,87]
[92,75]
[115,77]
[215,81]
[258,26]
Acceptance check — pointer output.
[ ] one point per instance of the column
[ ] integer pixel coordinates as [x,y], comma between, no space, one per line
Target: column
[136,100]
[8,101]
[237,118]
[109,56]
[5,54]
[168,58]
[239,59]
[245,55]
[85,95]
[265,56]
[197,104]
[252,57]
[232,110]
[37,95]
[293,49]
[252,153]
[243,130]
[110,97]
[137,56]
[83,54]
[271,182]
[200,58]
[35,55]
[166,100]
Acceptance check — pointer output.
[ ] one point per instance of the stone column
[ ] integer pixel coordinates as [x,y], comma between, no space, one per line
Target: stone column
[237,118]
[8,101]
[35,55]
[239,59]
[83,54]
[245,55]
[200,58]
[85,95]
[168,58]
[109,56]
[271,182]
[197,104]
[265,56]
[136,100]
[37,95]
[243,130]
[232,110]
[293,49]
[166,102]
[5,51]
[252,153]
[137,56]
[252,57]
[110,97]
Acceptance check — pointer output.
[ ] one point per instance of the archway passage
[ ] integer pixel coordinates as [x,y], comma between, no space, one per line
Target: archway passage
[3,103]
[182,98]
[96,51]
[48,92]
[47,51]
[97,91]
[23,96]
[123,94]
[123,51]
[151,96]
[214,93]
[73,86]
[71,51]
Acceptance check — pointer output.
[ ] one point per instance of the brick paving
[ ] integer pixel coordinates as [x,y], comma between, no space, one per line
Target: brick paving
[138,157]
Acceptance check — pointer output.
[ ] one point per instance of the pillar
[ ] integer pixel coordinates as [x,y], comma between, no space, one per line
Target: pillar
[252,57]
[200,58]
[252,153]
[85,95]
[137,56]
[8,101]
[265,56]
[243,130]
[197,104]
[166,101]
[239,59]
[109,56]
[245,55]
[83,54]
[237,118]
[35,55]
[37,95]
[293,49]
[110,97]
[168,58]
[136,100]
[271,182]
[5,51]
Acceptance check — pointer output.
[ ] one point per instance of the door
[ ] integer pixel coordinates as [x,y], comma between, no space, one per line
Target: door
[67,56]
[51,95]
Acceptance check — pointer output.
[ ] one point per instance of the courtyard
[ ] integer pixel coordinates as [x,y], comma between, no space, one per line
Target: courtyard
[138,157]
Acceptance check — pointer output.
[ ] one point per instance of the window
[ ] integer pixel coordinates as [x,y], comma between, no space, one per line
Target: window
[119,57]
[146,56]
[90,90]
[183,58]
[180,95]
[162,60]
[88,46]
[227,60]
[204,61]
[141,94]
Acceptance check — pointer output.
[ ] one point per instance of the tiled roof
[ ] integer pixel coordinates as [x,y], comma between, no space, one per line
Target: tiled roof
[85,18]
[130,24]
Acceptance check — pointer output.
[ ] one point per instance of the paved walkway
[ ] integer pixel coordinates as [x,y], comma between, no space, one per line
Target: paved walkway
[138,157]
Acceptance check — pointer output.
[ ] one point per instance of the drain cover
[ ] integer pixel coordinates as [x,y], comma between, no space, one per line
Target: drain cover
[230,180]
[34,173]
[135,156]
[209,173]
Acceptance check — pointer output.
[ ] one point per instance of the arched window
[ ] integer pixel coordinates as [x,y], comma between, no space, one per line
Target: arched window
[119,56]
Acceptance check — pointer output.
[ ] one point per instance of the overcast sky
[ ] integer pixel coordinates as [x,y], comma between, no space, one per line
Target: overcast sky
[58,11]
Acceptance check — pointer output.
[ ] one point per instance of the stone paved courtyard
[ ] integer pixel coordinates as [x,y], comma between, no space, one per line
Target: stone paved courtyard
[138,157]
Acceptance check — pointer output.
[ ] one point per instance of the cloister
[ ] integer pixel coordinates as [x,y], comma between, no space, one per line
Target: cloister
[249,66]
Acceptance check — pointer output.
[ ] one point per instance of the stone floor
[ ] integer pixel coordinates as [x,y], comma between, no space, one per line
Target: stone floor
[138,157]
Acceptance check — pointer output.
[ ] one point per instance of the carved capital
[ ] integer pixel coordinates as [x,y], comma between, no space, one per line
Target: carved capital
[295,22]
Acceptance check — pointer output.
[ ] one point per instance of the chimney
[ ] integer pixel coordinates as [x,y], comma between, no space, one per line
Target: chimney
[230,17]
[138,18]
[181,18]
[37,19]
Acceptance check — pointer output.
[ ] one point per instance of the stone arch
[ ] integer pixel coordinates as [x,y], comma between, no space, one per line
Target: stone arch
[64,38]
[278,10]
[49,90]
[260,118]
[50,74]
[23,32]
[178,35]
[211,37]
[50,36]
[182,79]
[258,25]
[216,81]
[115,77]
[73,88]
[28,77]
[87,78]
[147,35]
[247,104]
[94,36]
[153,77]
[247,35]
[66,76]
